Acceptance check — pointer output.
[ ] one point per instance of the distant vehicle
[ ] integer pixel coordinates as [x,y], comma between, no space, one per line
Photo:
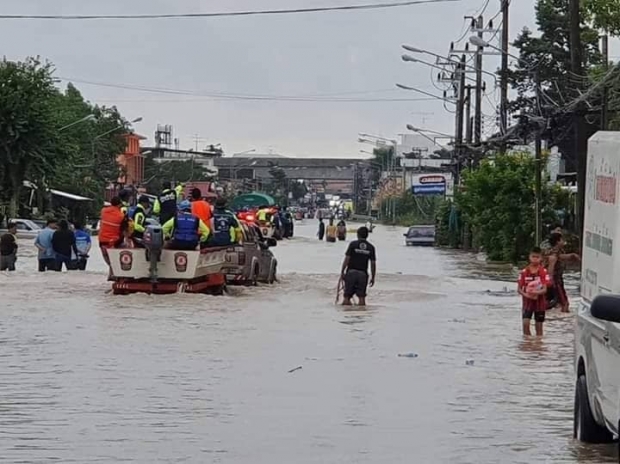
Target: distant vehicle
[41,223]
[420,236]
[26,228]
[252,261]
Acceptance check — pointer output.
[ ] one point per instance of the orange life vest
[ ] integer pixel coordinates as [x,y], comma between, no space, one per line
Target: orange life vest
[110,231]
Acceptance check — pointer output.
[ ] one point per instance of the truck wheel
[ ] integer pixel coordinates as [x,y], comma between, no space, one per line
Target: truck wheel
[219,290]
[585,428]
[255,273]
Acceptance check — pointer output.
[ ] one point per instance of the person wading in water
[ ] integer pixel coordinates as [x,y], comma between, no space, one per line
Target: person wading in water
[556,259]
[354,271]
[321,232]
[331,231]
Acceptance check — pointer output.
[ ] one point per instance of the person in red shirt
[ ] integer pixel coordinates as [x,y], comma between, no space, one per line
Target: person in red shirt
[532,286]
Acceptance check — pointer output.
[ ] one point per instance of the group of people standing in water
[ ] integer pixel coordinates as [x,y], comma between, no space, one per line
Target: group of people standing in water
[541,283]
[332,232]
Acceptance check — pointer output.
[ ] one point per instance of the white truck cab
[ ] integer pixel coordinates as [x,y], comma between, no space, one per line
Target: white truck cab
[597,329]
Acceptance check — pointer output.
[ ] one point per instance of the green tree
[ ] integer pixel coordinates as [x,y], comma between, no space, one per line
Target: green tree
[605,14]
[87,159]
[383,156]
[298,189]
[547,56]
[498,202]
[27,138]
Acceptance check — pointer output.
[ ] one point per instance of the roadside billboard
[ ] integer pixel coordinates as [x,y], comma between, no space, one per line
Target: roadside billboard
[429,184]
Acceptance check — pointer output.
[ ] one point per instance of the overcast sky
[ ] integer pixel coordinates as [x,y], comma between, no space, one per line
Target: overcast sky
[352,55]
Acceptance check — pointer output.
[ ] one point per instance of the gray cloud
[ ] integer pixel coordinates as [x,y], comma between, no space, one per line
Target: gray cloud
[312,54]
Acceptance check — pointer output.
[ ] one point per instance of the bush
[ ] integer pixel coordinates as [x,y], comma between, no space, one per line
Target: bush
[497,201]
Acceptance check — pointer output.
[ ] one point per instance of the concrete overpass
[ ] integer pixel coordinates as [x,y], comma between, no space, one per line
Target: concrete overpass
[325,175]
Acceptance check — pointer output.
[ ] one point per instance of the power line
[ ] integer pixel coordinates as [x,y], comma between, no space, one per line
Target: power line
[371,6]
[229,96]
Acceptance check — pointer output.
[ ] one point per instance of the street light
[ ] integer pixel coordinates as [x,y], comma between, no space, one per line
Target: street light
[390,168]
[90,117]
[412,59]
[413,89]
[245,152]
[417,129]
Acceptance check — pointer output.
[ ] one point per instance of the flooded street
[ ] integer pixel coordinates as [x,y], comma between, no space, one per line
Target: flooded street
[90,377]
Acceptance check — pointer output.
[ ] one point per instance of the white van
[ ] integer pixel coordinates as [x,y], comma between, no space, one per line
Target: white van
[597,332]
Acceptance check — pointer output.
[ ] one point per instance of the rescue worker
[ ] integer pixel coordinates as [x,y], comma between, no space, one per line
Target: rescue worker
[330,234]
[201,209]
[125,196]
[287,223]
[111,230]
[138,216]
[321,232]
[185,230]
[263,211]
[166,204]
[226,227]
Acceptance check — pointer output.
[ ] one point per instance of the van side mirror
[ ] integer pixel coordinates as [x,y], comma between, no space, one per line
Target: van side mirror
[404,235]
[271,242]
[606,308]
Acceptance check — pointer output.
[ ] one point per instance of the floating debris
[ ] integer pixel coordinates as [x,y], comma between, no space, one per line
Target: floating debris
[469,362]
[408,355]
[298,368]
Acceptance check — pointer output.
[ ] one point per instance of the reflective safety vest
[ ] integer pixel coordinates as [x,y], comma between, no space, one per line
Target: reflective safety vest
[222,222]
[138,221]
[167,205]
[186,228]
[262,215]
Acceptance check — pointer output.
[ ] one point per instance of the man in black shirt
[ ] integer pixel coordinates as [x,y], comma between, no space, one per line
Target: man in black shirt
[8,249]
[64,246]
[355,268]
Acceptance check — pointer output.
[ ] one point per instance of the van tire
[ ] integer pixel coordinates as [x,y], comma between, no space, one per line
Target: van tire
[585,427]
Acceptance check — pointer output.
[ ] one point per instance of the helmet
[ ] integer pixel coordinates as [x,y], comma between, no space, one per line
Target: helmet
[185,205]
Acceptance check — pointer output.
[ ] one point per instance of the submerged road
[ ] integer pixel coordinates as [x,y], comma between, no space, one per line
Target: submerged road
[88,377]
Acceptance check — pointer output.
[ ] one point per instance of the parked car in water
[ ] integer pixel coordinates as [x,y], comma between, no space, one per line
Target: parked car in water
[420,236]
[26,228]
[597,369]
[252,261]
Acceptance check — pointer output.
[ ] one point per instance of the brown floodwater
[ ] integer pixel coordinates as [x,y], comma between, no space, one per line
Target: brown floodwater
[89,377]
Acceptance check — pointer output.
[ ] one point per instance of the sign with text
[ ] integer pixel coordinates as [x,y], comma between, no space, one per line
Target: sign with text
[429,189]
[432,180]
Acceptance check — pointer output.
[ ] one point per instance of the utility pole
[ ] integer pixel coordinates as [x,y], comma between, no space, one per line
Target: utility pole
[581,142]
[605,52]
[504,77]
[468,127]
[538,167]
[458,142]
[478,65]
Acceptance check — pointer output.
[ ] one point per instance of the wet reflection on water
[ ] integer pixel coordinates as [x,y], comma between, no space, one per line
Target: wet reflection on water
[269,375]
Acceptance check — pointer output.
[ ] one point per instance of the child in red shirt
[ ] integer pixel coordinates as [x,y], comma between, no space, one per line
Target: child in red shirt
[532,286]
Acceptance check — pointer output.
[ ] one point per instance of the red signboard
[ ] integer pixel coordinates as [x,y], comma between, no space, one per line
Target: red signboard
[432,180]
[605,189]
